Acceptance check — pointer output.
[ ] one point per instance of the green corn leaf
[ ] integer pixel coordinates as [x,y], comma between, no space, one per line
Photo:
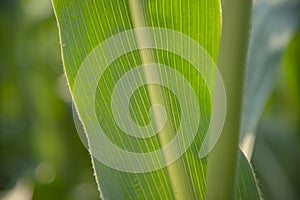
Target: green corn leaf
[83,25]
[274,23]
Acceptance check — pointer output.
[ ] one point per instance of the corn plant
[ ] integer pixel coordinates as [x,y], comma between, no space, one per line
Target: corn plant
[158,88]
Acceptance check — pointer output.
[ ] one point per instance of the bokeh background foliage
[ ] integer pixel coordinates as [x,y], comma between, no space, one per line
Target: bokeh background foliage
[39,147]
[41,155]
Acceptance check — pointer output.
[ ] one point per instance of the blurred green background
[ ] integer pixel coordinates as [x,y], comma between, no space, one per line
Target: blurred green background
[41,155]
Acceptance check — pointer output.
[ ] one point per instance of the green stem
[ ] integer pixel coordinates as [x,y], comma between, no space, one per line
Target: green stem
[222,162]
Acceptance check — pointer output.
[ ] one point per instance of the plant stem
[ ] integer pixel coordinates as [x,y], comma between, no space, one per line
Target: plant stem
[222,162]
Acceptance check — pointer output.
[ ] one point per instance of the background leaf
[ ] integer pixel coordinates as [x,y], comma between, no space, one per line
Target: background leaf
[276,154]
[274,22]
